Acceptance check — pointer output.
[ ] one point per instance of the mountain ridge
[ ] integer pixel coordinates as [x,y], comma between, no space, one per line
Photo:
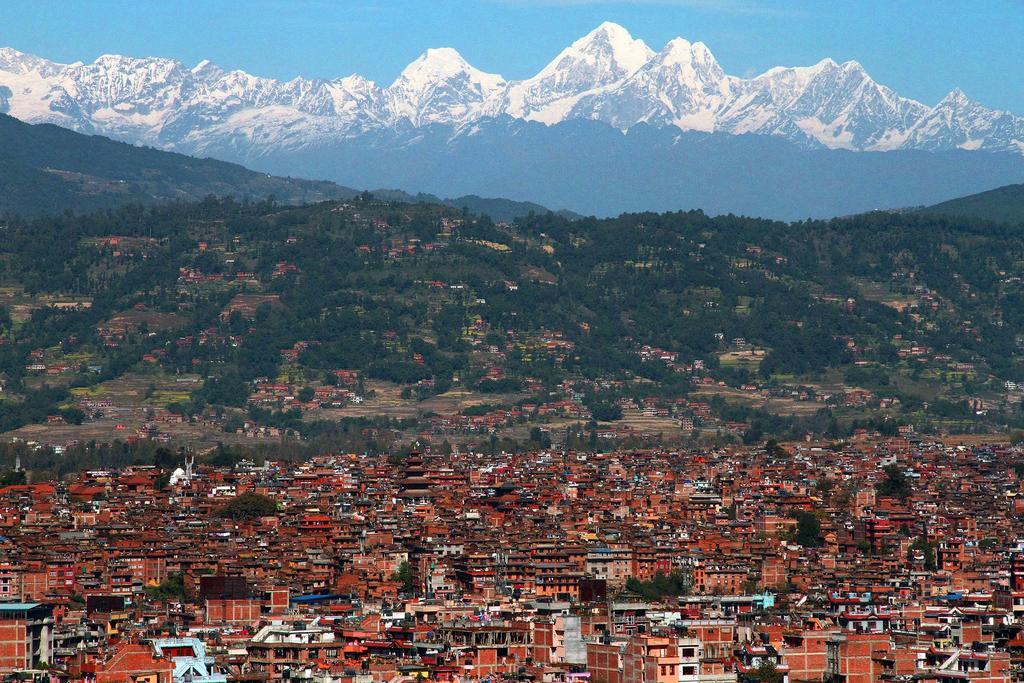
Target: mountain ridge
[49,169]
[606,75]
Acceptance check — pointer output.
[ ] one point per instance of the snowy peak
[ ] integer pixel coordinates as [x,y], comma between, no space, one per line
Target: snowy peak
[682,85]
[828,104]
[681,52]
[605,55]
[207,71]
[15,62]
[958,121]
[443,63]
[956,99]
[690,64]
[440,87]
[355,101]
[355,86]
[602,58]
[114,79]
[609,47]
[29,88]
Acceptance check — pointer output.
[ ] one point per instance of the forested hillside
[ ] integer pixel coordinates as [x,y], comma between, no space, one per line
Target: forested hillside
[1003,204]
[231,317]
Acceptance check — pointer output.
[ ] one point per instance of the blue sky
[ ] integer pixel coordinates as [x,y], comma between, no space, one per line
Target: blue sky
[921,48]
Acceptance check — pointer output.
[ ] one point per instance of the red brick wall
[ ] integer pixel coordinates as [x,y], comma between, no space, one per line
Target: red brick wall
[604,663]
[279,600]
[13,648]
[807,662]
[543,640]
[855,662]
[232,611]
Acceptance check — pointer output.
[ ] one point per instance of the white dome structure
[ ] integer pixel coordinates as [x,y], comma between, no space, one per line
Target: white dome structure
[177,476]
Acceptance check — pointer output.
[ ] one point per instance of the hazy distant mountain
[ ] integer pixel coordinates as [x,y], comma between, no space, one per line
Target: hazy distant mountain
[47,169]
[592,168]
[1003,204]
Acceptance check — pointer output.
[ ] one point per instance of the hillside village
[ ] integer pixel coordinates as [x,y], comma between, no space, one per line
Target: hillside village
[227,322]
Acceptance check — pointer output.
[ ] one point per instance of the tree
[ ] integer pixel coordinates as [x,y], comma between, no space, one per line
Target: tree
[540,437]
[606,411]
[404,576]
[808,529]
[248,506]
[171,588]
[927,549]
[824,486]
[767,672]
[72,415]
[229,390]
[164,458]
[660,586]
[222,456]
[12,478]
[895,484]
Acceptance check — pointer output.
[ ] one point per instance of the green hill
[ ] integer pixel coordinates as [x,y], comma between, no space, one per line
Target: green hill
[496,207]
[1003,204]
[47,169]
[739,325]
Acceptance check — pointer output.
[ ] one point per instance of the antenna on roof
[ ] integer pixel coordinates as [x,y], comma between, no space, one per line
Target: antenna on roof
[190,460]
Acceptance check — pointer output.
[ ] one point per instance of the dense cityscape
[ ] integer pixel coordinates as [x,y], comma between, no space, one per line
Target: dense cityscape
[876,559]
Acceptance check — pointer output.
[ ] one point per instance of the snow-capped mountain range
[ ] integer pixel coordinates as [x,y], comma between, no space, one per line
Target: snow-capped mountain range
[606,75]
